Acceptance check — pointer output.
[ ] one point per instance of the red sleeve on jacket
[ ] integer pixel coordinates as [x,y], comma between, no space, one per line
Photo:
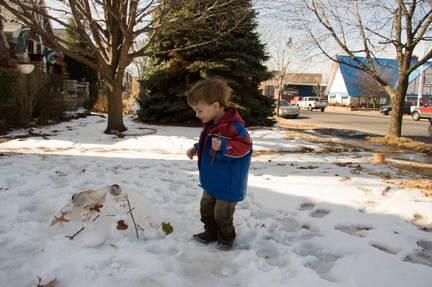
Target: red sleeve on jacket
[236,141]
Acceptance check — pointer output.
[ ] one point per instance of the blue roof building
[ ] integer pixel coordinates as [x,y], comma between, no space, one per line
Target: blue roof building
[344,86]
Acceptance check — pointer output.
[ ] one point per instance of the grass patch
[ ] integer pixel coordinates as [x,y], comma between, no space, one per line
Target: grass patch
[403,143]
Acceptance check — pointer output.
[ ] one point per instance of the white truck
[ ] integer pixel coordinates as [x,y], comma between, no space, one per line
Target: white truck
[311,103]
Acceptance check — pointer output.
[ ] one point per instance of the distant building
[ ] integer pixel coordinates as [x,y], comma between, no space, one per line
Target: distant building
[416,84]
[344,86]
[295,86]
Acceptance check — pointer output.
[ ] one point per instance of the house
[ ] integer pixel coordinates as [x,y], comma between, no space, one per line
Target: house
[420,78]
[295,86]
[27,48]
[349,86]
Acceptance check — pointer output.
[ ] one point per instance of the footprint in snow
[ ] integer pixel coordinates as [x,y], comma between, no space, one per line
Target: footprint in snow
[384,248]
[317,260]
[320,213]
[306,206]
[357,230]
[422,255]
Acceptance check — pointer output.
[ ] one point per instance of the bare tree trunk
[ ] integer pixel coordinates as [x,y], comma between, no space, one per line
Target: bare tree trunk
[115,107]
[398,99]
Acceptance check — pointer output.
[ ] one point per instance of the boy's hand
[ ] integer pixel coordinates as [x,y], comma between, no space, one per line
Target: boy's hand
[216,144]
[191,152]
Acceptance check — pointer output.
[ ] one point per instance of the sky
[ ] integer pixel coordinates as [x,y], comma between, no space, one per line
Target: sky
[309,218]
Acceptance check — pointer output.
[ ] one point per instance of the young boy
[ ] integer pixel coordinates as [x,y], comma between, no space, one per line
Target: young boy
[224,153]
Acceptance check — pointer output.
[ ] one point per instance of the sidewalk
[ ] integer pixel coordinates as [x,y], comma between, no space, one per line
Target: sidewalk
[369,112]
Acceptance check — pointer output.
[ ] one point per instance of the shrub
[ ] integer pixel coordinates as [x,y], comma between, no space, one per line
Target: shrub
[8,80]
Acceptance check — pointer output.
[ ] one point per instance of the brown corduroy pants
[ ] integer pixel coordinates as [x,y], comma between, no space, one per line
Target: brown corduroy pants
[217,216]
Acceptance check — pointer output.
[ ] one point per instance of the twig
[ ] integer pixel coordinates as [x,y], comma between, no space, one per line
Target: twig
[72,237]
[130,210]
[82,228]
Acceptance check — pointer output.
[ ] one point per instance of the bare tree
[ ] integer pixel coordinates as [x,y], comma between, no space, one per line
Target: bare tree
[319,91]
[287,56]
[371,91]
[368,29]
[110,27]
[31,89]
[140,64]
[282,57]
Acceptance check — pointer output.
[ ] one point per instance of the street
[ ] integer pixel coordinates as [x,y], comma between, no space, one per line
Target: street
[368,121]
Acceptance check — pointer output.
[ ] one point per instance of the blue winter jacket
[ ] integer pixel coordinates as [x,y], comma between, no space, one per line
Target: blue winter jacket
[224,174]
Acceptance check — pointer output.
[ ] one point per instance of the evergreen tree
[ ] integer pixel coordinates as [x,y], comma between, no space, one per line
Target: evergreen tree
[237,57]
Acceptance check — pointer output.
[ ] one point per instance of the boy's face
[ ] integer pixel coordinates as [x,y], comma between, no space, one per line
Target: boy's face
[206,112]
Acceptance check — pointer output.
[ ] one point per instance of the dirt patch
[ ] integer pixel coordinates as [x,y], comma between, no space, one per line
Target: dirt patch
[413,169]
[4,140]
[421,173]
[402,143]
[419,183]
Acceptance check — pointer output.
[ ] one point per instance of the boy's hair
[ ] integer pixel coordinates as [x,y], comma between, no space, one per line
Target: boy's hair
[209,91]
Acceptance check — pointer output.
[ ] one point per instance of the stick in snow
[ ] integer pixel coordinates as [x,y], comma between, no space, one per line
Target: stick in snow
[130,210]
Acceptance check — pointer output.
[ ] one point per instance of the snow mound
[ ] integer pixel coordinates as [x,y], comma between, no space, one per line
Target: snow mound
[110,212]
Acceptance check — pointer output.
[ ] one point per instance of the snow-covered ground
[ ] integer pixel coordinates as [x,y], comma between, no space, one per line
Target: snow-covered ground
[310,219]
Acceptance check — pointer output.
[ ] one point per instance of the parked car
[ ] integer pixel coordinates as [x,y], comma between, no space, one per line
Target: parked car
[287,110]
[311,103]
[422,112]
[405,110]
